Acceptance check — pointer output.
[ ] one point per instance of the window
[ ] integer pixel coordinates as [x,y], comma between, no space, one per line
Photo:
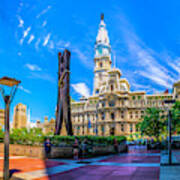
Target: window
[122,127]
[112,116]
[101,64]
[112,87]
[122,114]
[136,114]
[131,127]
[102,116]
[103,104]
[111,103]
[102,129]
[131,116]
[97,91]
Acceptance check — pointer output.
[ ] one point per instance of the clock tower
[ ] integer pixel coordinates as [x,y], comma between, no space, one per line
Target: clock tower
[102,58]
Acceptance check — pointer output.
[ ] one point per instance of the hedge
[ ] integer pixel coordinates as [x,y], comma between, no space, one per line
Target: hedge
[35,136]
[95,140]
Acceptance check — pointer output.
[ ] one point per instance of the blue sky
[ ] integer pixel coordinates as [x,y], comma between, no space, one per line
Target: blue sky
[144,36]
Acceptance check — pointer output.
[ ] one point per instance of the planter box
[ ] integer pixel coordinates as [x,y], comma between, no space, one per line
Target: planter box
[58,152]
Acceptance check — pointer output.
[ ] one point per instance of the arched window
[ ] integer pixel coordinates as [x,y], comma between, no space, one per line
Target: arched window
[102,115]
[112,116]
[112,87]
[111,103]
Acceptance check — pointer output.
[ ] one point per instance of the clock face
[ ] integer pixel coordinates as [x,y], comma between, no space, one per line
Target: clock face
[100,50]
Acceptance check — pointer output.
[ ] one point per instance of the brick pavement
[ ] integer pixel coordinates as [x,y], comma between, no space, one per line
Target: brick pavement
[138,164]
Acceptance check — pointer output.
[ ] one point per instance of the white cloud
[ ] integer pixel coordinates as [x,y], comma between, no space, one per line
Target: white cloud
[43,76]
[81,89]
[44,23]
[25,90]
[83,58]
[159,80]
[176,65]
[31,39]
[62,44]
[25,33]
[21,22]
[37,43]
[140,86]
[145,59]
[19,54]
[46,39]
[43,12]
[51,45]
[33,67]
[67,44]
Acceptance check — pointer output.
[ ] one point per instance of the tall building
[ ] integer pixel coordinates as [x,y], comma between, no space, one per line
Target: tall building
[113,109]
[176,90]
[46,126]
[20,116]
[49,126]
[2,118]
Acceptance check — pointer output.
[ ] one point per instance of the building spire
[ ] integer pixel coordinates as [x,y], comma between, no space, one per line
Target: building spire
[102,16]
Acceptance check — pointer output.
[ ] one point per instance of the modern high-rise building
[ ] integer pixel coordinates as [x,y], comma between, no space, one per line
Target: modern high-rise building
[2,118]
[20,116]
[113,109]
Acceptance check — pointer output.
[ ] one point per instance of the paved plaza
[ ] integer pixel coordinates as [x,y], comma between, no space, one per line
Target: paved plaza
[137,164]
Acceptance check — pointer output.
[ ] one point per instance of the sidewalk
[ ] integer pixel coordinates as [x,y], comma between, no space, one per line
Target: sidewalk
[138,164]
[170,172]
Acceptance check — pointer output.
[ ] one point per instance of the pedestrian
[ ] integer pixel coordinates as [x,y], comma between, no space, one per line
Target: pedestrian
[116,145]
[47,148]
[76,149]
[83,147]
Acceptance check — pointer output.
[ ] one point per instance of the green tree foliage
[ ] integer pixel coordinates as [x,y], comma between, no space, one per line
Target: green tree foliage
[153,123]
[176,117]
[1,135]
[33,136]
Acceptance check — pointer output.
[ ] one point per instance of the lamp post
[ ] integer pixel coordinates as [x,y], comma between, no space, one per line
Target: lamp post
[12,84]
[169,131]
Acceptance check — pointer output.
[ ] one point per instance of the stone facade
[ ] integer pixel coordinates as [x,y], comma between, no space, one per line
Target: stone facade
[176,90]
[46,126]
[113,109]
[20,116]
[49,126]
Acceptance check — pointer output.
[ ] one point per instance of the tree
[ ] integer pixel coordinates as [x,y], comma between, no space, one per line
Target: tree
[175,110]
[153,123]
[1,135]
[27,136]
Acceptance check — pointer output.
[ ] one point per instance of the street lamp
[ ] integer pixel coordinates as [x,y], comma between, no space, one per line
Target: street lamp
[12,84]
[169,131]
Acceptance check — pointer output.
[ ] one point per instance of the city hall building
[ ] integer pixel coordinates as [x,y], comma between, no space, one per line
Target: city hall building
[113,109]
